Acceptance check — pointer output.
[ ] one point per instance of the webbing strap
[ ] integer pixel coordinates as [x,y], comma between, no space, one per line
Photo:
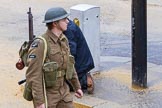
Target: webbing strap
[44,56]
[45,48]
[61,73]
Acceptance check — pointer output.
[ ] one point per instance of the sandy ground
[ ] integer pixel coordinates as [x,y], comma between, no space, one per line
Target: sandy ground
[115,18]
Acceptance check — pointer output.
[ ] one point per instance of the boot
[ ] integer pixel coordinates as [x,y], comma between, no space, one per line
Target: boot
[90,84]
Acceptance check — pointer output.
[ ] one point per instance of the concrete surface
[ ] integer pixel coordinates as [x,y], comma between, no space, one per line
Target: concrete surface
[93,102]
[113,87]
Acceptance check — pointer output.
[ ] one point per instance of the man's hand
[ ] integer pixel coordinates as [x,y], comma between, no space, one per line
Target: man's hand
[41,106]
[79,93]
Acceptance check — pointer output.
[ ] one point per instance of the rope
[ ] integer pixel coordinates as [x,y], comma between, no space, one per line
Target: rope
[44,56]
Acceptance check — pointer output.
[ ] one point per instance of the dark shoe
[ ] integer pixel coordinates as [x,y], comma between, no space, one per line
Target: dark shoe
[90,84]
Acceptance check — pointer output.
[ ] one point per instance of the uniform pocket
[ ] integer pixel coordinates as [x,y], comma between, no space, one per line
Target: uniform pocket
[28,93]
[55,55]
[50,73]
[54,50]
[70,68]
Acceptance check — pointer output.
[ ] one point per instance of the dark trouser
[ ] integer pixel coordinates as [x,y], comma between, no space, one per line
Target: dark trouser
[83,80]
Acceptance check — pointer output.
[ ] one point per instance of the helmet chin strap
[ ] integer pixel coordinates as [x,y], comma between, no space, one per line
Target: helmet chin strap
[58,26]
[57,30]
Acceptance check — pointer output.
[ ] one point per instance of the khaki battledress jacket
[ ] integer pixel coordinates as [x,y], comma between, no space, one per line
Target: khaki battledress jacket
[58,51]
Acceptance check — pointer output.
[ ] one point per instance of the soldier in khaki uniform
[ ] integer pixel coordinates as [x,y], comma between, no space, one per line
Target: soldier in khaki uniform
[58,66]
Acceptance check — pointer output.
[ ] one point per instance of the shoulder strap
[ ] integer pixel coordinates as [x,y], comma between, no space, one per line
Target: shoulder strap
[44,56]
[45,47]
[48,48]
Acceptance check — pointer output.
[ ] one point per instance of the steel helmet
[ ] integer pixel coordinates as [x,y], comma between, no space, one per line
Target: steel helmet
[55,14]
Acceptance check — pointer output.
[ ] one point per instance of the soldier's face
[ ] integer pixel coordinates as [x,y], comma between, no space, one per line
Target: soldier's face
[63,24]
